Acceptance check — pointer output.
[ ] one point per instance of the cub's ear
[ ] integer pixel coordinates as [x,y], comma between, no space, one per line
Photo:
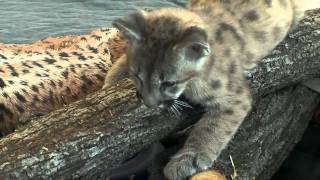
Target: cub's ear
[131,26]
[117,72]
[194,44]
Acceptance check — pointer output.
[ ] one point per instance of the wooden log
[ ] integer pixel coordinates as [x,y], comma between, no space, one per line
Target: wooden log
[88,138]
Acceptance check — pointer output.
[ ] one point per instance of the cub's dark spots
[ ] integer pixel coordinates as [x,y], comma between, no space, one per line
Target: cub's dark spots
[65,74]
[12,69]
[37,64]
[105,30]
[2,83]
[232,67]
[5,95]
[53,84]
[24,83]
[50,61]
[64,54]
[79,55]
[4,111]
[215,84]
[268,2]
[96,37]
[25,71]
[276,33]
[245,107]
[24,90]
[72,68]
[83,39]
[59,67]
[48,53]
[99,77]
[93,49]
[20,109]
[252,15]
[227,28]
[20,97]
[86,83]
[68,90]
[42,75]
[10,82]
[228,111]
[237,102]
[41,85]
[26,65]
[106,51]
[239,90]
[103,69]
[34,88]
[35,98]
[228,132]
[260,36]
[60,83]
[51,97]
[208,129]
[3,57]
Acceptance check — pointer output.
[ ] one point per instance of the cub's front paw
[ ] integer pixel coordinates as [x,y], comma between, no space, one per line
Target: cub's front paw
[184,165]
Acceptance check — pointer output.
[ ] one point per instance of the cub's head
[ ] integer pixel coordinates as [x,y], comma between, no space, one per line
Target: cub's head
[167,48]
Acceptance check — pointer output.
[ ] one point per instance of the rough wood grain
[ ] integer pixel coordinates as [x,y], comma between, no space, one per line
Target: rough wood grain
[294,60]
[88,138]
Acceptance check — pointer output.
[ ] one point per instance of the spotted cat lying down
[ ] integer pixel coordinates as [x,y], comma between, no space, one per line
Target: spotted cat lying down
[49,73]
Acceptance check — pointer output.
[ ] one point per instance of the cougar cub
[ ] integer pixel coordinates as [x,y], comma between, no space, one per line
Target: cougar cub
[201,52]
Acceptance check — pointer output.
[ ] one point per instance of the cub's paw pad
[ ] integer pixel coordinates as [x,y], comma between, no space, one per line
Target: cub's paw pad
[185,165]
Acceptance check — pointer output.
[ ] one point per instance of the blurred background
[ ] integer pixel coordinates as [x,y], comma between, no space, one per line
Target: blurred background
[23,21]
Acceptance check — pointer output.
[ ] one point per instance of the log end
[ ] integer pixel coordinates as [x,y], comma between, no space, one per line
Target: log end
[209,175]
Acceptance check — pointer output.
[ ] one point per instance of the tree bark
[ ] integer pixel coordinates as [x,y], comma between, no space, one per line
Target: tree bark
[88,138]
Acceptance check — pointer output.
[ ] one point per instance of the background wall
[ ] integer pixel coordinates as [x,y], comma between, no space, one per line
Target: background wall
[23,21]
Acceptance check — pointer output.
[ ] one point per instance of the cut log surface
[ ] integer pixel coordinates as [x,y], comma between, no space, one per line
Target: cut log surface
[88,138]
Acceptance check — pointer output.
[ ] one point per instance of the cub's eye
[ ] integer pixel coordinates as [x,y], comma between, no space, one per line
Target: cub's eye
[196,48]
[169,83]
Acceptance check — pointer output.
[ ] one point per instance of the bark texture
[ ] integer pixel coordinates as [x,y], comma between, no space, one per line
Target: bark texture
[88,138]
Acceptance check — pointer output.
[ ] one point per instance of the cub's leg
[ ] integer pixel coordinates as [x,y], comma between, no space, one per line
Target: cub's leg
[117,72]
[206,141]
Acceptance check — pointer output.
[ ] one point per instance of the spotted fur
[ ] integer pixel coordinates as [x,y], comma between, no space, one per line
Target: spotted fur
[202,53]
[49,73]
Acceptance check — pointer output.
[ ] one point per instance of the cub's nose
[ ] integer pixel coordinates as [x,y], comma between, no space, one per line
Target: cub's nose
[149,101]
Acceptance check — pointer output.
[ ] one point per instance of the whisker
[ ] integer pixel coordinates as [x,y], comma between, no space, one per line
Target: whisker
[178,107]
[176,111]
[172,111]
[182,103]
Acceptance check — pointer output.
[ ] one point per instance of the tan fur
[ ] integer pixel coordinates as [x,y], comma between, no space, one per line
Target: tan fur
[36,89]
[202,52]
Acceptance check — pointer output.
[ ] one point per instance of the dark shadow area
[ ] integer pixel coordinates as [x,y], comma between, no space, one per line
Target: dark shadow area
[304,160]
